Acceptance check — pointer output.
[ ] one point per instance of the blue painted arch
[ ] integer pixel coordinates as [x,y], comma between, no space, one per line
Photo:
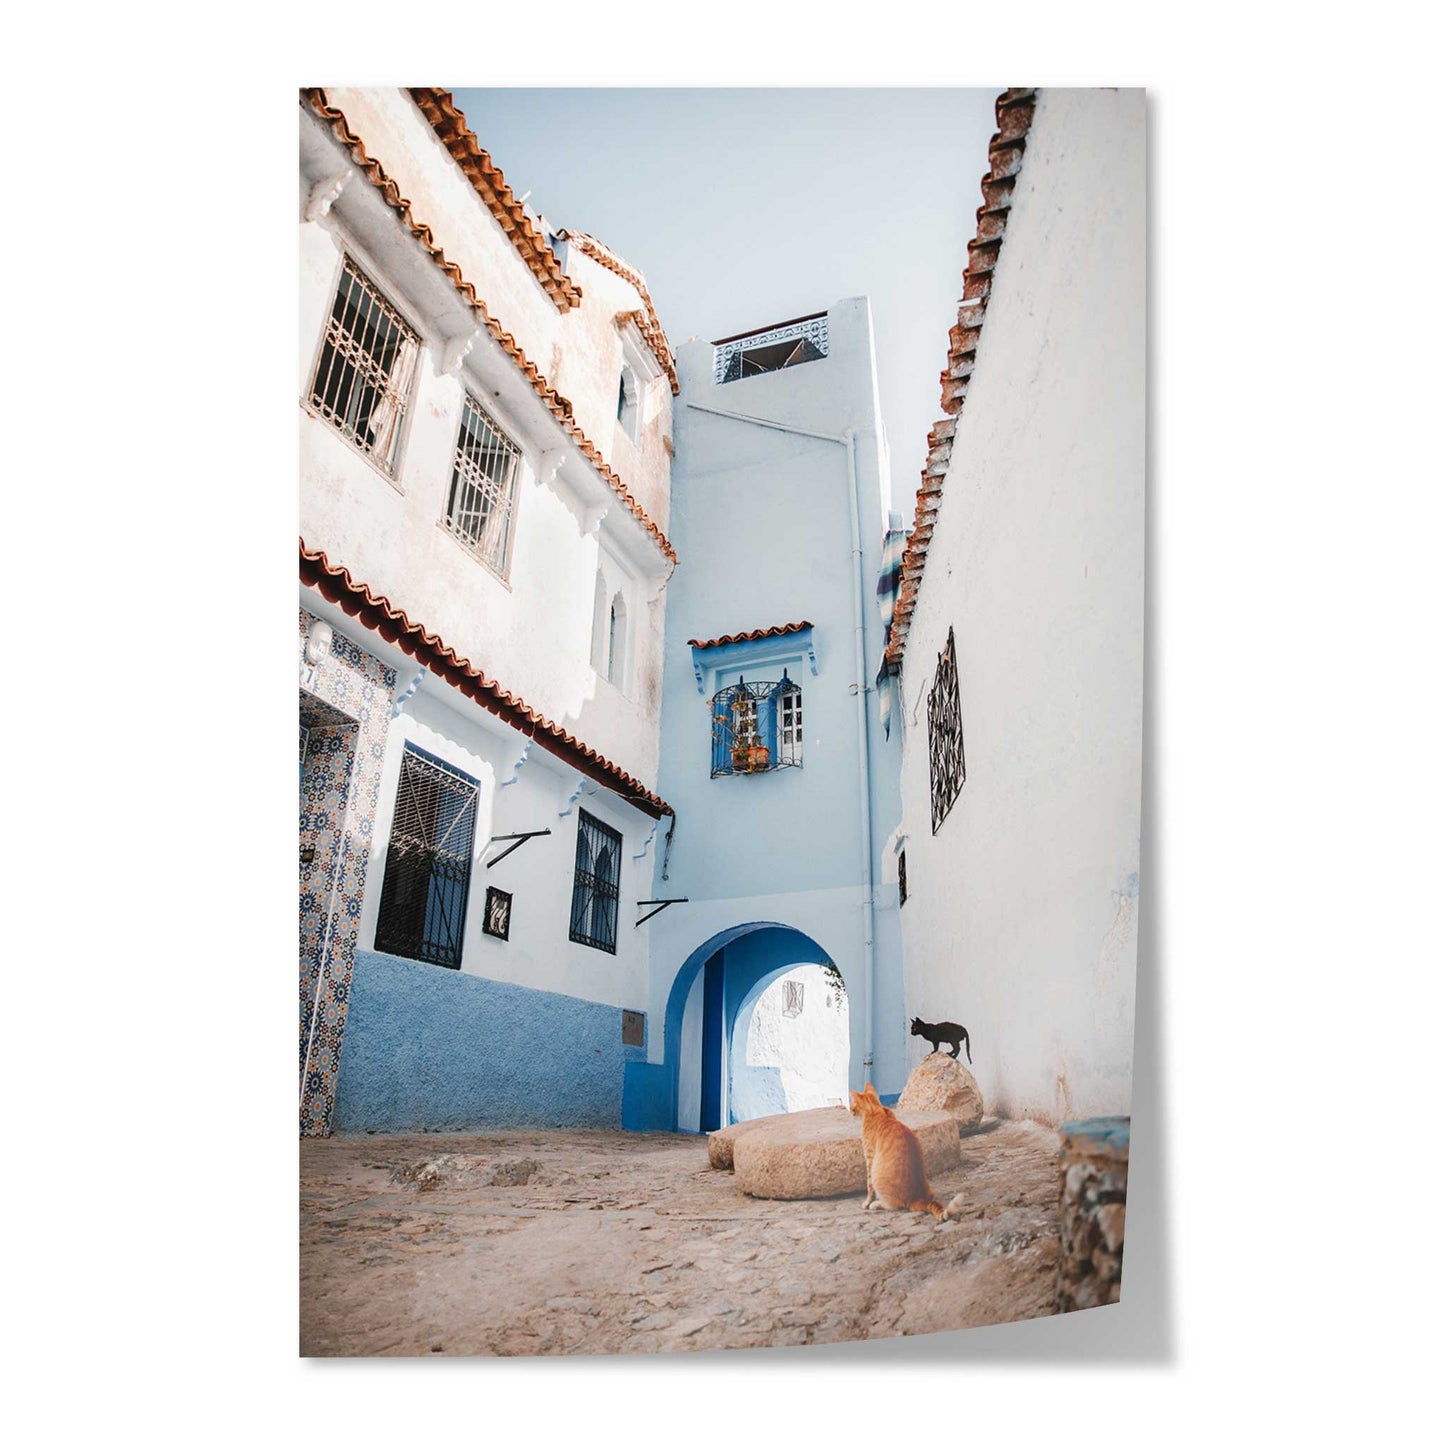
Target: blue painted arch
[754,955]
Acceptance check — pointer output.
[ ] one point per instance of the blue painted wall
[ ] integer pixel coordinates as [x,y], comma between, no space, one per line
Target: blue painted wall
[429,1048]
[763,519]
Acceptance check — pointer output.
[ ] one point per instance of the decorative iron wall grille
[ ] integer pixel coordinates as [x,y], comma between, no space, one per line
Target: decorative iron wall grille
[365,370]
[483,495]
[945,735]
[757,727]
[792,998]
[902,879]
[790,345]
[497,918]
[595,883]
[428,862]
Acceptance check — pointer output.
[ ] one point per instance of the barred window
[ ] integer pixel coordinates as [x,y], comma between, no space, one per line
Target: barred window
[595,883]
[902,879]
[757,727]
[497,916]
[365,371]
[428,862]
[945,735]
[484,488]
[792,998]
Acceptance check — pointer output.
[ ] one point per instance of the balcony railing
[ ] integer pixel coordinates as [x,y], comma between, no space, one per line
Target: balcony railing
[761,351]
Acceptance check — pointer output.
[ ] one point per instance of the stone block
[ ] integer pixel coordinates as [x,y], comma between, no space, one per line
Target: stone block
[818,1153]
[940,1084]
[1093,1186]
[720,1141]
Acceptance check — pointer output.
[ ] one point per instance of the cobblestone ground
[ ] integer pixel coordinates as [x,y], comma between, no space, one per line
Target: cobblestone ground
[565,1243]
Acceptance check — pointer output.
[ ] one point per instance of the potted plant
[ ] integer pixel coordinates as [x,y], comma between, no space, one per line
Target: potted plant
[750,752]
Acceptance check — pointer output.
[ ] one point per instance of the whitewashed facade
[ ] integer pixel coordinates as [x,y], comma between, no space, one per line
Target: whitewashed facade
[485,435]
[1021,914]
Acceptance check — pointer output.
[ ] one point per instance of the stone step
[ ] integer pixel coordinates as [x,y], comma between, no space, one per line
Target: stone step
[818,1153]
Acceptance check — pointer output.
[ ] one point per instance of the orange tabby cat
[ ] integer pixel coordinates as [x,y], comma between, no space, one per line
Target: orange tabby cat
[893,1156]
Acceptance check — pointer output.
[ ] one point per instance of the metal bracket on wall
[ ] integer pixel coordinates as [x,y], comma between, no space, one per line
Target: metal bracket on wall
[661,904]
[519,838]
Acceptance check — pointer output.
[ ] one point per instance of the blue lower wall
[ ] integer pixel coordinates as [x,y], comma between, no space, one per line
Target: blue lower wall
[430,1048]
[648,1102]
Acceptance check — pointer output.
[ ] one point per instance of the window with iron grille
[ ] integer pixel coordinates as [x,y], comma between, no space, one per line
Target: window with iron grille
[484,488]
[757,727]
[428,862]
[945,735]
[792,998]
[497,917]
[366,367]
[596,877]
[902,879]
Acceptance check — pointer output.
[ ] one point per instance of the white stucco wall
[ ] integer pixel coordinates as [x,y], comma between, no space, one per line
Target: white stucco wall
[539,874]
[782,1063]
[1021,918]
[689,1081]
[531,630]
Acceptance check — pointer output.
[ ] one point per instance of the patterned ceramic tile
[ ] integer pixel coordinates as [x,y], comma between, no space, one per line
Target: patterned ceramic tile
[345,713]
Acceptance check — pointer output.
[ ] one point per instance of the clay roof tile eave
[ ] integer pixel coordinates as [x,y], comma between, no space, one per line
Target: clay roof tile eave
[377,613]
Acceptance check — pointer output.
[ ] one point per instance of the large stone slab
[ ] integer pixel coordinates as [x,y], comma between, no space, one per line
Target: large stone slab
[818,1153]
[720,1141]
[940,1084]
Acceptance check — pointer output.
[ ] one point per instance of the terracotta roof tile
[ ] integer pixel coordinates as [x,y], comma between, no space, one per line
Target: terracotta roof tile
[556,403]
[755,635]
[647,322]
[375,611]
[487,180]
[1014,113]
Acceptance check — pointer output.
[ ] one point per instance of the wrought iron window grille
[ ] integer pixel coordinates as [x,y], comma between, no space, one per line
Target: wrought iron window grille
[596,880]
[483,495]
[902,879]
[946,772]
[792,344]
[757,727]
[792,998]
[428,862]
[497,917]
[365,370]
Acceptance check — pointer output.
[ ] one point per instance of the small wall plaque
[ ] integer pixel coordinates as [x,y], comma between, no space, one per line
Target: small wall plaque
[497,916]
[634,1028]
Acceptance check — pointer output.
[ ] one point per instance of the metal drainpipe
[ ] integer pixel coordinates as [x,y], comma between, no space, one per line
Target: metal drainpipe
[860,692]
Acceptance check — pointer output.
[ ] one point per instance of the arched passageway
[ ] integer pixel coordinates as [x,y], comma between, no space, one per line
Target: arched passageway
[713,1001]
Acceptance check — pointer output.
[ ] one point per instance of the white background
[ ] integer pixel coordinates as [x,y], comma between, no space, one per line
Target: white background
[1282,1278]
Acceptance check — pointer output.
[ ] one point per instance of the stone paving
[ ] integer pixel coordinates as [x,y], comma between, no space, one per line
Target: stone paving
[564,1243]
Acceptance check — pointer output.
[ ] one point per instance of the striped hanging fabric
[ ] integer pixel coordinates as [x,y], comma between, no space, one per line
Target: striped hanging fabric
[889,576]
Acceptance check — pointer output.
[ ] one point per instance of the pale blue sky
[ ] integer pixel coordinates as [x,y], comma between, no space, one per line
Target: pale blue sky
[743,207]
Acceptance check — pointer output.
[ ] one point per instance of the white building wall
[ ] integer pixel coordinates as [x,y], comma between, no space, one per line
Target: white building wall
[1020,921]
[531,630]
[785,1062]
[539,874]
[689,1082]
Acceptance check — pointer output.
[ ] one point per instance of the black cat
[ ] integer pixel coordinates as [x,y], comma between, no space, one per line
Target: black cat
[944,1033]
